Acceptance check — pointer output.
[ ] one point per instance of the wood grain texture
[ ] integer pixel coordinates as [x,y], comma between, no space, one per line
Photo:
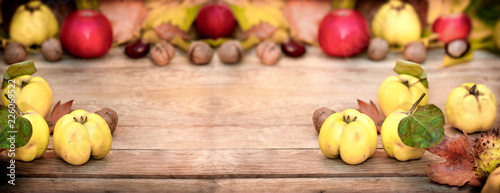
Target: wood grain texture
[361,184]
[233,128]
[214,163]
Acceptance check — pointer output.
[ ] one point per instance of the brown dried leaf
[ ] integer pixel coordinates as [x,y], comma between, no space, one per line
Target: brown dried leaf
[126,18]
[304,18]
[263,31]
[458,168]
[167,31]
[57,112]
[372,111]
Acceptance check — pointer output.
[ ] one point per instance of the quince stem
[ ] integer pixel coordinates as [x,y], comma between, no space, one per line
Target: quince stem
[81,121]
[473,90]
[348,119]
[19,112]
[416,104]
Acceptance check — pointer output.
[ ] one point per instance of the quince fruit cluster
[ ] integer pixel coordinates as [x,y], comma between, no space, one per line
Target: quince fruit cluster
[77,136]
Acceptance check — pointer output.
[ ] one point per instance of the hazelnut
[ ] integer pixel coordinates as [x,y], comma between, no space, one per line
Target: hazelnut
[415,52]
[52,49]
[14,52]
[110,116]
[162,53]
[320,115]
[230,52]
[457,48]
[268,52]
[378,49]
[200,52]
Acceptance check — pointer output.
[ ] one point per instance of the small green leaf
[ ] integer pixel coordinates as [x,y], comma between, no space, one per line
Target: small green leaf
[424,128]
[18,69]
[19,131]
[412,69]
[407,67]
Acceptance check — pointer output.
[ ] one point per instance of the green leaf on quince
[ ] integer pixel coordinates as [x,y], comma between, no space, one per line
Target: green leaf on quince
[16,130]
[412,69]
[423,128]
[18,69]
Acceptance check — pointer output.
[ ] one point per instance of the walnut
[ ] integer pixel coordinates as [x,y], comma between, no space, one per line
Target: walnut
[268,52]
[378,49]
[200,53]
[14,52]
[230,52]
[320,115]
[415,52]
[162,53]
[110,116]
[52,49]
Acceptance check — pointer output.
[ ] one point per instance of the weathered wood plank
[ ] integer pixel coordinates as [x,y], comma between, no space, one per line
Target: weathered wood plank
[214,163]
[361,184]
[222,137]
[244,94]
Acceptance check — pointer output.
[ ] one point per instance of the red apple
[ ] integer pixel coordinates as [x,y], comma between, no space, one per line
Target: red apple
[86,34]
[451,27]
[343,33]
[215,21]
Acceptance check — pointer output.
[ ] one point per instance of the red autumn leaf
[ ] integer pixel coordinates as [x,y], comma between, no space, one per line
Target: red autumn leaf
[372,111]
[263,31]
[167,31]
[304,18]
[57,112]
[126,18]
[458,168]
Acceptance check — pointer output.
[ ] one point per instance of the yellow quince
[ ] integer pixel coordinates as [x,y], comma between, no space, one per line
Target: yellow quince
[30,93]
[80,135]
[33,23]
[391,141]
[38,142]
[471,108]
[349,134]
[399,92]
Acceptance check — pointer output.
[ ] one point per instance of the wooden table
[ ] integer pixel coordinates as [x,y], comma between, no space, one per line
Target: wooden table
[233,128]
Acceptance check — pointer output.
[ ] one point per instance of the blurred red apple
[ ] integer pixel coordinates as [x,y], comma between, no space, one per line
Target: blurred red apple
[343,33]
[215,21]
[86,34]
[451,27]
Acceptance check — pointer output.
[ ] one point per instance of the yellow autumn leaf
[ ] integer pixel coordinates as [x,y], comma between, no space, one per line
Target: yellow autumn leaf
[180,14]
[251,13]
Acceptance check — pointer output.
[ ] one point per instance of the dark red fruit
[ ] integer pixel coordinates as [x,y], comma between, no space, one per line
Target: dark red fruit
[293,48]
[137,49]
[215,21]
